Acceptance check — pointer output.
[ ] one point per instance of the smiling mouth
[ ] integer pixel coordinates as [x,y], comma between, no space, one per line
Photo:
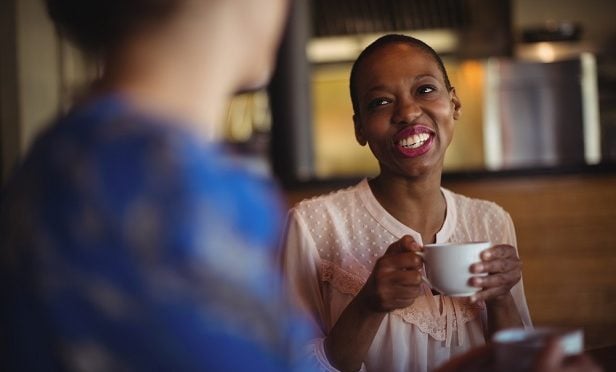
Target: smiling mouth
[415,141]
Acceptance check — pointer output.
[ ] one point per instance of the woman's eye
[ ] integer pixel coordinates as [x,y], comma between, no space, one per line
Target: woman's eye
[378,102]
[425,89]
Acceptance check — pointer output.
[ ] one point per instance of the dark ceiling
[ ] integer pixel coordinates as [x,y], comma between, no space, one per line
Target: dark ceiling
[344,17]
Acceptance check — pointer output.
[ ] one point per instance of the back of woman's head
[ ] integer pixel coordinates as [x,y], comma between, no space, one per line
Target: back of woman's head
[388,40]
[99,25]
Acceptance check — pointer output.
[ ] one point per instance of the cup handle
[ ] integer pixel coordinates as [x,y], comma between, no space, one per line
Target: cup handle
[423,276]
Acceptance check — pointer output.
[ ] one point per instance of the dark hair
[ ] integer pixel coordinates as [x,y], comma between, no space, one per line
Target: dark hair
[381,42]
[99,25]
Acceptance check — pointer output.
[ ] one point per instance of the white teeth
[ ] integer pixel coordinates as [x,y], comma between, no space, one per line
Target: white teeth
[414,141]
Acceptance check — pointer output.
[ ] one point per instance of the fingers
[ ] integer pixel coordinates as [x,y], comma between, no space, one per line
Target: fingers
[404,244]
[507,279]
[552,358]
[397,290]
[497,266]
[404,261]
[406,278]
[400,256]
[504,270]
[500,251]
[494,285]
[396,278]
[397,297]
[498,259]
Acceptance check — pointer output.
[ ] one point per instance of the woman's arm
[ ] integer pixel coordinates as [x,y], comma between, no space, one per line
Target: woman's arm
[504,270]
[393,284]
[502,313]
[347,344]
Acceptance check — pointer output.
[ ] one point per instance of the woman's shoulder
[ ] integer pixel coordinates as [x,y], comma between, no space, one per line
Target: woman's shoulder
[332,205]
[339,198]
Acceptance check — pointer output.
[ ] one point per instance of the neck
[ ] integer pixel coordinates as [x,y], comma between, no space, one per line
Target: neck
[175,97]
[416,202]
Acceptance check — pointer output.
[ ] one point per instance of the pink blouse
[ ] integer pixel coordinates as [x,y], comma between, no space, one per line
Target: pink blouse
[332,243]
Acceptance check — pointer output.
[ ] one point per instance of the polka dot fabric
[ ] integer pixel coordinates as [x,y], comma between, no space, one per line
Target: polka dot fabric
[334,240]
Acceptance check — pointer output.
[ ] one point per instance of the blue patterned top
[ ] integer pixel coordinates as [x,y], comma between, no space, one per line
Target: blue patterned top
[127,245]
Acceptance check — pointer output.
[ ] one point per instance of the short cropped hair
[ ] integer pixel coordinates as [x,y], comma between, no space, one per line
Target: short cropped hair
[96,26]
[387,40]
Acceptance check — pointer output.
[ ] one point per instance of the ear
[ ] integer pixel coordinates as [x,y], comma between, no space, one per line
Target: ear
[457,104]
[359,132]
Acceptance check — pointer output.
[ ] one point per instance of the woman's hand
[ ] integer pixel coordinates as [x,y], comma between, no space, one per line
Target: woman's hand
[504,270]
[393,284]
[395,280]
[550,359]
[553,359]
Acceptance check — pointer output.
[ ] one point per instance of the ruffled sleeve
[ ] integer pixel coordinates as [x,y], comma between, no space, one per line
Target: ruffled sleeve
[317,361]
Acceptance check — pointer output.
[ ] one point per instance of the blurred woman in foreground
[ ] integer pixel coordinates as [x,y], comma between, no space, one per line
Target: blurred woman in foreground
[130,239]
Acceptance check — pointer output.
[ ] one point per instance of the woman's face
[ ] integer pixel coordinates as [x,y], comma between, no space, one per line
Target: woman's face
[405,112]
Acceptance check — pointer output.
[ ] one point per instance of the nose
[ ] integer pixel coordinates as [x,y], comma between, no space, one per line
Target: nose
[406,111]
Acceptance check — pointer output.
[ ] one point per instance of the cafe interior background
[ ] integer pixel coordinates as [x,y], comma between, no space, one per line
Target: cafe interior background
[537,79]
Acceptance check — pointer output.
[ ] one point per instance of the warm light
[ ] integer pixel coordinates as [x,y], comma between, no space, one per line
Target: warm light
[347,48]
[246,114]
[472,73]
[546,52]
[333,49]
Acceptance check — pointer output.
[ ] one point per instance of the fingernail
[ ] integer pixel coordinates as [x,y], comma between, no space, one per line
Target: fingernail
[487,255]
[473,299]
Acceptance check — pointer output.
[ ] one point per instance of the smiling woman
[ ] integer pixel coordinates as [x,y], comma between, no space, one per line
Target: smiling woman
[350,255]
[335,151]
[403,92]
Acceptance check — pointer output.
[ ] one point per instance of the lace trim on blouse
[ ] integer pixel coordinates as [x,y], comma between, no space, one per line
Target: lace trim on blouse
[425,311]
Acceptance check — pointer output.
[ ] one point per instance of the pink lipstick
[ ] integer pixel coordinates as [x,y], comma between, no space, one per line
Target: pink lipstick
[414,141]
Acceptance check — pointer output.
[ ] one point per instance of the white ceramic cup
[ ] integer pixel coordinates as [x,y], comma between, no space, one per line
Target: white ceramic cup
[517,349]
[448,266]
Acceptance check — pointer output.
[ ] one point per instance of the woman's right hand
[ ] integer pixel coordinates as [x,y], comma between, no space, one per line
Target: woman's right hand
[395,279]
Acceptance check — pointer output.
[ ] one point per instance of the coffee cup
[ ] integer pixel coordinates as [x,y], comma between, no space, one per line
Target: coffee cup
[447,266]
[517,349]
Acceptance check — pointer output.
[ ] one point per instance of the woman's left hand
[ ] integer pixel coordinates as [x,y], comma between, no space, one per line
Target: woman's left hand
[504,270]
